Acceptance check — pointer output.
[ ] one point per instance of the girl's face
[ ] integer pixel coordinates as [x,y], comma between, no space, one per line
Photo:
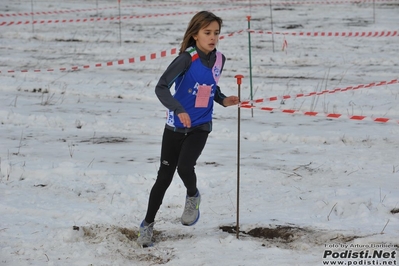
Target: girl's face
[208,37]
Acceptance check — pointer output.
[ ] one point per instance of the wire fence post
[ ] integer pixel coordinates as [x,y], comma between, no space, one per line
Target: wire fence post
[239,81]
[271,24]
[33,17]
[120,29]
[250,62]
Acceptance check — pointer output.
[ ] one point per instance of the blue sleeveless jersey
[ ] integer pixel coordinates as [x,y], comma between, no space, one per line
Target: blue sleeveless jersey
[186,89]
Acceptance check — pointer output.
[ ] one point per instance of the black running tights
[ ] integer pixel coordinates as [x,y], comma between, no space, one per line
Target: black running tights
[181,151]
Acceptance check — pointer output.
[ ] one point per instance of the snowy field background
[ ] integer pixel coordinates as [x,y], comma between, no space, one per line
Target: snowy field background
[80,148]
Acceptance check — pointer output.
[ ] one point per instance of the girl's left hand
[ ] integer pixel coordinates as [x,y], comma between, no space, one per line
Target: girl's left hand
[231,100]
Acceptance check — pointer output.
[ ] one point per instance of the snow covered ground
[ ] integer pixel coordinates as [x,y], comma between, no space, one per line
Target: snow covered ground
[79,148]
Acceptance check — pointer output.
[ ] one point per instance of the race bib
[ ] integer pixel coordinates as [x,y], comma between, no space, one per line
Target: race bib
[203,94]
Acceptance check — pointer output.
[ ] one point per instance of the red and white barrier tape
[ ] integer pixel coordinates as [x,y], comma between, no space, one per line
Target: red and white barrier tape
[112,63]
[334,2]
[171,4]
[323,34]
[58,12]
[56,21]
[54,12]
[299,95]
[50,21]
[330,116]
[356,34]
[142,58]
[335,34]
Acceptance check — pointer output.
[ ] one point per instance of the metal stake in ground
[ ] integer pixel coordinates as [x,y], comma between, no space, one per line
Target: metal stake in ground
[250,62]
[239,78]
[33,18]
[120,22]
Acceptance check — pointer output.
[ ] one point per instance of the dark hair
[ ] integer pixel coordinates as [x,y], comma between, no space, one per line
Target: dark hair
[199,21]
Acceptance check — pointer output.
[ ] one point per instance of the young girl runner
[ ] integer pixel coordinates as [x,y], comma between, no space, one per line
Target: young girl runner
[195,74]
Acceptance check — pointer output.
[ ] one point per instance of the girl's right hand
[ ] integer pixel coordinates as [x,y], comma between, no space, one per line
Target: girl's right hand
[185,119]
